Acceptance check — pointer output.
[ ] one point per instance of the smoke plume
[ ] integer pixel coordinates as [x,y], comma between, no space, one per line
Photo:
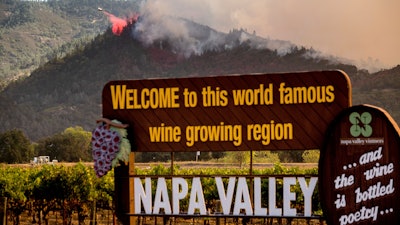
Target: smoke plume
[157,23]
[329,26]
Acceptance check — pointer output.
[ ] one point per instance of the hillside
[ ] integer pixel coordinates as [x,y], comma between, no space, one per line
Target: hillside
[66,91]
[34,32]
[381,89]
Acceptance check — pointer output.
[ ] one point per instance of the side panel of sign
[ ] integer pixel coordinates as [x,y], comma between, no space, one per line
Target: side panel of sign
[359,168]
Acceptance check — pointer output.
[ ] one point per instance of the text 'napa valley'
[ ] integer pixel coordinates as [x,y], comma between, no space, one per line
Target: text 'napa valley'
[234,195]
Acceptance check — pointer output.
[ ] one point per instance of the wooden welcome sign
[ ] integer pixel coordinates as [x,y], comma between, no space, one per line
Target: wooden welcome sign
[228,113]
[359,168]
[289,111]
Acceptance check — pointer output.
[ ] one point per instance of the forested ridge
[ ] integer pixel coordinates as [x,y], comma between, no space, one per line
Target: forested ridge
[34,32]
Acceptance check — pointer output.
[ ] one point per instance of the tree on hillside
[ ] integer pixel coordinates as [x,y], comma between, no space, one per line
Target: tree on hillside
[15,147]
[71,145]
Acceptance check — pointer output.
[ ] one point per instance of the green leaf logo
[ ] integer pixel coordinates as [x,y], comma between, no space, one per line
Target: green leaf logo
[360,124]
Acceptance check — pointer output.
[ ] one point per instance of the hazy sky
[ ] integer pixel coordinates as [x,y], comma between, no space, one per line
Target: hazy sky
[361,30]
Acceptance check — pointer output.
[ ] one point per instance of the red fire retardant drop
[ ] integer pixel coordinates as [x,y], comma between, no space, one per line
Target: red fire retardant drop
[118,24]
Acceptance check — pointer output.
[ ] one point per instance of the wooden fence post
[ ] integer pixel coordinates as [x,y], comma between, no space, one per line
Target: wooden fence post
[3,210]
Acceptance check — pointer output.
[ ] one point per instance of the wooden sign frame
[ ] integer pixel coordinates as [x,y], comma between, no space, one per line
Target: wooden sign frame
[282,111]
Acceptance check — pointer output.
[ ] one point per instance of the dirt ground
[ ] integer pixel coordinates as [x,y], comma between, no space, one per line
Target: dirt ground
[229,221]
[106,217]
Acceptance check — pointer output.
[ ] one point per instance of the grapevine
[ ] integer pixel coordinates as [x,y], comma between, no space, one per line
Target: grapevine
[77,189]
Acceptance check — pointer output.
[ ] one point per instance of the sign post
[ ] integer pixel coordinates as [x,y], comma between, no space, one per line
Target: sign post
[3,210]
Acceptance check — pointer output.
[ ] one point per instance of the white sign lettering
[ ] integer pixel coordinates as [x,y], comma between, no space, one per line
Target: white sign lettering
[362,194]
[234,196]
[363,214]
[374,191]
[371,156]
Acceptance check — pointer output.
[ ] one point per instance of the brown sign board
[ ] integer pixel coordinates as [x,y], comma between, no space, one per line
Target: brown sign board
[359,168]
[284,111]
